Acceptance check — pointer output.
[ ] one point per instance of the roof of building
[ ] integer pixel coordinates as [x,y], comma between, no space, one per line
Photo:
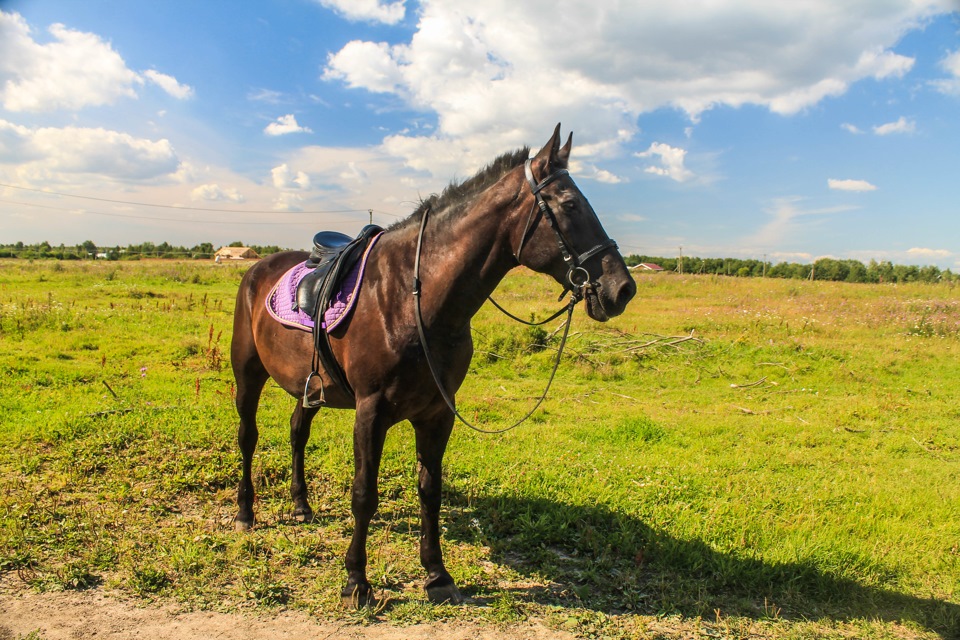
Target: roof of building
[236,253]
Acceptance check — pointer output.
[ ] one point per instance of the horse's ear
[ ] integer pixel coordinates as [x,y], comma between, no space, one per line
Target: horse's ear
[563,156]
[549,154]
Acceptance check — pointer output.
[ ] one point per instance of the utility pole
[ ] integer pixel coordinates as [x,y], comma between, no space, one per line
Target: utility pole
[370,211]
[764,275]
[680,265]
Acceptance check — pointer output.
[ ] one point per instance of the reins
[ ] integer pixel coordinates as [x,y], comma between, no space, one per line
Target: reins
[433,367]
[578,279]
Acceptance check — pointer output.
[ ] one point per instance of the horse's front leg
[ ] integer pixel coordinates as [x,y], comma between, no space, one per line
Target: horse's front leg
[432,436]
[369,432]
[299,435]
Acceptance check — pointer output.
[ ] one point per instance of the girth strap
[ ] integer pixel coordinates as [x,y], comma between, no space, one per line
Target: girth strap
[331,273]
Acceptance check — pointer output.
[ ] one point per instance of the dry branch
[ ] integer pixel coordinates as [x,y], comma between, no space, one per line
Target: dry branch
[751,384]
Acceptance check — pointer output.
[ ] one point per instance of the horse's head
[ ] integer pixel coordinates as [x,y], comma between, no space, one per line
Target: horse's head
[562,236]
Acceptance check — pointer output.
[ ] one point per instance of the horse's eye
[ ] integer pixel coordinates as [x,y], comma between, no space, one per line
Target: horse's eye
[569,206]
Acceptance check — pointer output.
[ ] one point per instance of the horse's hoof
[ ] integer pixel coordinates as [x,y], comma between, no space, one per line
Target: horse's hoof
[444,594]
[242,525]
[304,516]
[357,596]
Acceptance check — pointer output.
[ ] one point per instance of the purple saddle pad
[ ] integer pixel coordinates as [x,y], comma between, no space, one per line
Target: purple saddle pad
[282,300]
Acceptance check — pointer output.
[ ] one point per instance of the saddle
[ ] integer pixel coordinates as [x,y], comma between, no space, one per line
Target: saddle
[332,257]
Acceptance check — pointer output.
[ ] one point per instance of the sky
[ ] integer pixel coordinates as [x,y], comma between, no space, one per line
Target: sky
[714,128]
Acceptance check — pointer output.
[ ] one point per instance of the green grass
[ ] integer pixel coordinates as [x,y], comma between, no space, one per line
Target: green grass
[730,458]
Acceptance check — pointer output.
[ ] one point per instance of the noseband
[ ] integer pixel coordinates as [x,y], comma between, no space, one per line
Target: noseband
[578,278]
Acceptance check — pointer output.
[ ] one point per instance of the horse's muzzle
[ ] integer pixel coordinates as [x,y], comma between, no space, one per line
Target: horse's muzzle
[608,297]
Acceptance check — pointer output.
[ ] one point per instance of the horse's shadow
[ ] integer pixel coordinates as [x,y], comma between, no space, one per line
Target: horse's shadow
[597,559]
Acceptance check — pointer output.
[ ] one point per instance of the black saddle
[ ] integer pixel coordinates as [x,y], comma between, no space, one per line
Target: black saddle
[332,257]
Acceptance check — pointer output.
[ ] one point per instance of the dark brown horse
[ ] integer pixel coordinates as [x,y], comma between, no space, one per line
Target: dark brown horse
[513,212]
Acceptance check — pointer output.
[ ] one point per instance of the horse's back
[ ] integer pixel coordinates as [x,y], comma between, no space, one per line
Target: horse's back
[254,288]
[260,278]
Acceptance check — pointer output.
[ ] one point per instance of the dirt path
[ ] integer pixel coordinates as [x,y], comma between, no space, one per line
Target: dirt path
[95,614]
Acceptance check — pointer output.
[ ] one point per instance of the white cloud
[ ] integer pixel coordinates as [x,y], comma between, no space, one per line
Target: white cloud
[789,256]
[950,64]
[169,84]
[366,65]
[368,10]
[850,185]
[354,174]
[364,178]
[604,176]
[287,201]
[671,162]
[284,125]
[851,128]
[77,150]
[902,125]
[75,70]
[879,64]
[265,95]
[787,215]
[497,74]
[216,193]
[285,178]
[186,173]
[929,253]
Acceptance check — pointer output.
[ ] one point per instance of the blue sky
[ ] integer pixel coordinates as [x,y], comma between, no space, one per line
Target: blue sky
[730,129]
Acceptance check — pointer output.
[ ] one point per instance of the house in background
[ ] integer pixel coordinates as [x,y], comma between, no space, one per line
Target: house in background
[646,266]
[235,253]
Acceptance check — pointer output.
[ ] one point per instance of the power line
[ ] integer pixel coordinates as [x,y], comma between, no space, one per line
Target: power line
[141,217]
[170,206]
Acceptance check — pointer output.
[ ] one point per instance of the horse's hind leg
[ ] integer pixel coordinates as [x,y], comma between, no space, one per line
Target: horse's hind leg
[248,399]
[299,435]
[250,375]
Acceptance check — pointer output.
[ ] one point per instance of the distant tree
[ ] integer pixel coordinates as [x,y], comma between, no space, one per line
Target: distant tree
[830,269]
[929,274]
[202,250]
[856,272]
[906,273]
[880,271]
[265,250]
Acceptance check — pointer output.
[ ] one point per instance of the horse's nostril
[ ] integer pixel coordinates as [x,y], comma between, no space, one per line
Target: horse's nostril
[627,290]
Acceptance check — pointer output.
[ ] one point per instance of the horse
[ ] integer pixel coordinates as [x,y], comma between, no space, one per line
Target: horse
[478,230]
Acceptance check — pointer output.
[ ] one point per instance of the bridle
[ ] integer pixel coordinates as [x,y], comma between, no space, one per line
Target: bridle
[577,283]
[578,278]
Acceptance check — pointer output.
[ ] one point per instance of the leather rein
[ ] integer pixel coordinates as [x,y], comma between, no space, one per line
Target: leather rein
[578,282]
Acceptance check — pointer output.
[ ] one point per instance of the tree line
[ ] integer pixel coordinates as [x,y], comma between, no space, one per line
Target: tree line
[88,250]
[822,269]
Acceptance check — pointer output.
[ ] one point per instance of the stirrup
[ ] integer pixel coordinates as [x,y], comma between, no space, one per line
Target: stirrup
[312,404]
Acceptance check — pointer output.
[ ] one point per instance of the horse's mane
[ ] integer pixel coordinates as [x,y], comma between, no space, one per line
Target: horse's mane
[457,195]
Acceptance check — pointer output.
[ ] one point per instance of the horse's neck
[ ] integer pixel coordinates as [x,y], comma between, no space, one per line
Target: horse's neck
[463,263]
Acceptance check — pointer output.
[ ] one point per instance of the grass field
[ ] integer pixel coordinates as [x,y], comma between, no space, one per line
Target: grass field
[730,458]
